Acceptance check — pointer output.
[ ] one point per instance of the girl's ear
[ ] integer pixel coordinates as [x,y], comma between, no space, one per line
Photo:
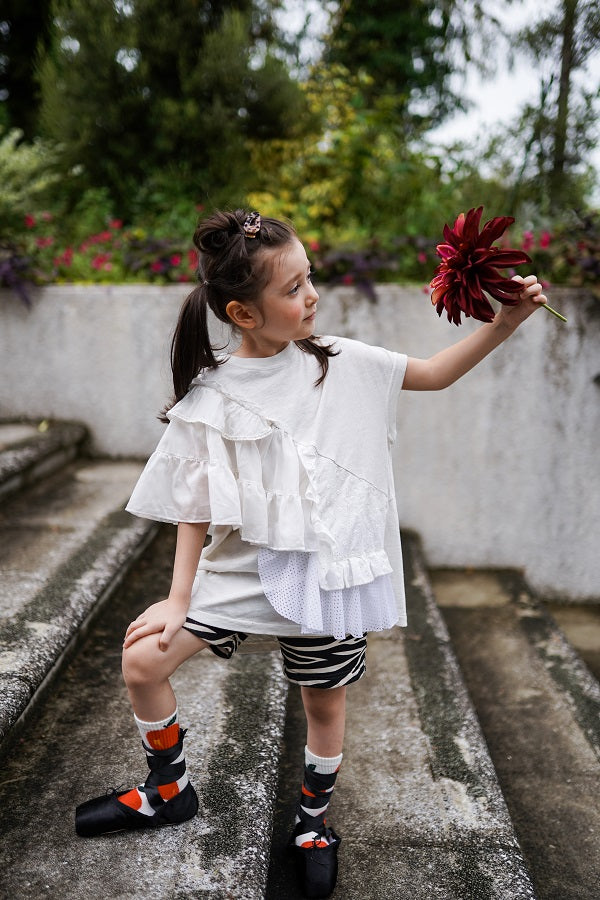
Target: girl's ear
[241,316]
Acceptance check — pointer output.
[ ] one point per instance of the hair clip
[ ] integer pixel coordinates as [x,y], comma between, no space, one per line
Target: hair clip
[251,225]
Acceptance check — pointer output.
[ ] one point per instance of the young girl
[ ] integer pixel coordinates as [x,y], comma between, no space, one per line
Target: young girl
[281,450]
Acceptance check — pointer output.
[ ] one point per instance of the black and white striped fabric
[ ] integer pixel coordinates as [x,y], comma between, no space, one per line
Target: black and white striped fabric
[223,643]
[323,662]
[313,661]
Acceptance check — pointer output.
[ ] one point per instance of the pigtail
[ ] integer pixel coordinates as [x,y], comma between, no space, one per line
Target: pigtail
[322,353]
[191,349]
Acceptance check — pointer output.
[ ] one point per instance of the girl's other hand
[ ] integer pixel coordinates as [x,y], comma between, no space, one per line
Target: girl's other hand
[530,299]
[164,618]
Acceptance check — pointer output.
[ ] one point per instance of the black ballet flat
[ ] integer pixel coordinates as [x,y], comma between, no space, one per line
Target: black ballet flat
[103,815]
[316,867]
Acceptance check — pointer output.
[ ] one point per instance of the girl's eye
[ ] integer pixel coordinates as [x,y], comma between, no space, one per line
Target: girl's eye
[295,289]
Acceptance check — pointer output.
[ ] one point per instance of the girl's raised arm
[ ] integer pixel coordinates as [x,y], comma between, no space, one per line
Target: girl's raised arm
[453,362]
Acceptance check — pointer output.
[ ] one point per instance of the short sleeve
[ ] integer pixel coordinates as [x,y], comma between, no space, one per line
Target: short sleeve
[173,486]
[399,362]
[222,463]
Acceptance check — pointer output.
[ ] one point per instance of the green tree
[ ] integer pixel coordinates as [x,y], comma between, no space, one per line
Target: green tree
[25,30]
[563,125]
[143,93]
[409,50]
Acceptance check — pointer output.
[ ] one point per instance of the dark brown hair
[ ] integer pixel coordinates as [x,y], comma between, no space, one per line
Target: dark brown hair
[231,267]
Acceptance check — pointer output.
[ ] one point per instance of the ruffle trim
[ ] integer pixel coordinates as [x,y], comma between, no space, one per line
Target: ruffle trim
[354,570]
[233,420]
[290,582]
[220,461]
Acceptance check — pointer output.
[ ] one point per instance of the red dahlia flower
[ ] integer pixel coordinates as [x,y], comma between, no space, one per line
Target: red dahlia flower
[468,268]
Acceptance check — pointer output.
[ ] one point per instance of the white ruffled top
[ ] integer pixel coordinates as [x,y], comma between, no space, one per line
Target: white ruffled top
[297,469]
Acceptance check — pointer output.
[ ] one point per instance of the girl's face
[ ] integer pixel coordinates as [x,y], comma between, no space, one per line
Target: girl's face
[286,311]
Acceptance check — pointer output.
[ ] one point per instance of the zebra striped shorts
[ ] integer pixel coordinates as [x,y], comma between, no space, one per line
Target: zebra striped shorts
[313,661]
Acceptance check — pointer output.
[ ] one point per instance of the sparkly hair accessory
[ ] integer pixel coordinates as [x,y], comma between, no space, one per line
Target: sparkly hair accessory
[251,225]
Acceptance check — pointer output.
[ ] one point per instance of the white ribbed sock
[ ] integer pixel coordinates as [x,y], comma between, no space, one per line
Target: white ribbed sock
[324,765]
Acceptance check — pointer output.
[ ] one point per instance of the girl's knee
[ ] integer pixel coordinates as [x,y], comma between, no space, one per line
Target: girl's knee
[141,662]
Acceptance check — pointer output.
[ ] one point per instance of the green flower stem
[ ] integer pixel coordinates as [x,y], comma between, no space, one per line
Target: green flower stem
[554,313]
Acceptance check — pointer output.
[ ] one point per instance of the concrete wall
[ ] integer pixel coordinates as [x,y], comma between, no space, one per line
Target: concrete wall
[502,469]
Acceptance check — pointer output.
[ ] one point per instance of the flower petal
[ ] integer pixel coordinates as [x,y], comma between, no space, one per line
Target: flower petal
[493,229]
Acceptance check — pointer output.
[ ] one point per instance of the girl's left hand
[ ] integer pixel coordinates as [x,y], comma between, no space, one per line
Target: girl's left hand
[531,298]
[163,618]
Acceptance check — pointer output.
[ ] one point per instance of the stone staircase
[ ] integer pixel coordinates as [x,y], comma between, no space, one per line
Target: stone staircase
[472,758]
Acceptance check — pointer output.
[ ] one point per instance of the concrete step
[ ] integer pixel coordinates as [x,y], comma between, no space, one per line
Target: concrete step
[539,708]
[65,542]
[580,623]
[29,452]
[417,802]
[83,741]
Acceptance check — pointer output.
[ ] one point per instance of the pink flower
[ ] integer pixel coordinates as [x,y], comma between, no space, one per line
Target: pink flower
[44,241]
[422,257]
[348,279]
[469,267]
[545,239]
[200,207]
[426,289]
[116,224]
[65,259]
[107,266]
[156,266]
[104,236]
[47,216]
[527,242]
[183,277]
[29,221]
[314,246]
[192,260]
[99,261]
[175,259]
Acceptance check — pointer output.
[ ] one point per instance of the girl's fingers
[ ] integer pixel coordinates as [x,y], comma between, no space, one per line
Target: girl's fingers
[141,629]
[137,623]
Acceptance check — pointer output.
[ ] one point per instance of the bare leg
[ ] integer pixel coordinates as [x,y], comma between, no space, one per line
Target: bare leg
[147,670]
[326,719]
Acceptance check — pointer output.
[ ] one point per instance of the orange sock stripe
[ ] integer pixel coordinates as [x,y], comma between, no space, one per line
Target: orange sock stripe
[308,844]
[307,793]
[168,791]
[163,738]
[132,799]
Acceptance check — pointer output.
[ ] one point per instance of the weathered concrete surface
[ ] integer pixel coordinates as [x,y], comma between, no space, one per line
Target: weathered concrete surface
[84,742]
[64,544]
[581,625]
[507,444]
[417,802]
[539,708]
[28,454]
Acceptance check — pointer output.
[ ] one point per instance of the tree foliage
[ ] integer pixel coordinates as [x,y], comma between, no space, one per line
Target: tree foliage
[147,93]
[403,48]
[563,126]
[25,30]
[25,175]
